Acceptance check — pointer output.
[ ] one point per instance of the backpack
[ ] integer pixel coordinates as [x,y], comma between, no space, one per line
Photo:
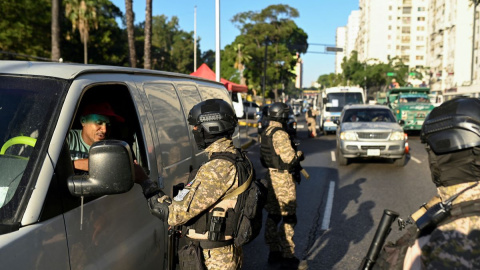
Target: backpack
[252,196]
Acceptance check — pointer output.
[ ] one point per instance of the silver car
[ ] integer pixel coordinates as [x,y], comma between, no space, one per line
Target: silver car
[369,131]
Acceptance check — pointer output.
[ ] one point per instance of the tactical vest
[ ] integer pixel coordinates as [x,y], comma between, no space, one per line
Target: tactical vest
[201,224]
[393,255]
[267,152]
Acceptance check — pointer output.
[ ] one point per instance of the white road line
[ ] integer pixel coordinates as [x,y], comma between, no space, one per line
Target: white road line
[300,126]
[333,156]
[416,160]
[328,207]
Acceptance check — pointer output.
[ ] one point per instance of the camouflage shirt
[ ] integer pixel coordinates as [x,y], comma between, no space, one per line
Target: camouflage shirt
[213,180]
[454,244]
[281,142]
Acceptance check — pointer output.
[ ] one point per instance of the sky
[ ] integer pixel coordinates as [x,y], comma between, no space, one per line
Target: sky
[318,18]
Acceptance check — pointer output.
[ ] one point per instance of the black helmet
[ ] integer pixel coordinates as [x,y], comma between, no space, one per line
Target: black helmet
[214,118]
[278,111]
[453,126]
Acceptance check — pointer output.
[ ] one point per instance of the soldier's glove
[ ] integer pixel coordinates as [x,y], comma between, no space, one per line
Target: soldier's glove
[300,155]
[159,205]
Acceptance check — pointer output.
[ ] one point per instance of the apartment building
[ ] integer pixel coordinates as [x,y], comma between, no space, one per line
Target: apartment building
[340,42]
[393,28]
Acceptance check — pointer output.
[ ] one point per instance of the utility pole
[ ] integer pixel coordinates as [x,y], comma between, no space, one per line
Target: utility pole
[217,40]
[475,4]
[195,39]
[265,70]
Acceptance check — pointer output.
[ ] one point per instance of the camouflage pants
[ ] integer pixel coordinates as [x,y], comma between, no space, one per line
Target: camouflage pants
[281,207]
[228,258]
[312,126]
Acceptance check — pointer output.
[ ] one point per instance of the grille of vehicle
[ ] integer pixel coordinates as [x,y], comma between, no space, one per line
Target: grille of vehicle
[373,135]
[373,147]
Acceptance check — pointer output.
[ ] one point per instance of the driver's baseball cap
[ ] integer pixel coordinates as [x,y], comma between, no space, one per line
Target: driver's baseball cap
[103,108]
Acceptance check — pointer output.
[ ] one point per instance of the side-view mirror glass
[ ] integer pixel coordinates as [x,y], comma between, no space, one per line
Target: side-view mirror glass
[111,171]
[401,122]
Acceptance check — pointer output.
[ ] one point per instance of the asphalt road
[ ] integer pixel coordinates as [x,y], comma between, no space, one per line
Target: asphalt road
[340,207]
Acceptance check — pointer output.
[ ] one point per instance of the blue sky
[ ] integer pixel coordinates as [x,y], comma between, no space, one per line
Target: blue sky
[318,18]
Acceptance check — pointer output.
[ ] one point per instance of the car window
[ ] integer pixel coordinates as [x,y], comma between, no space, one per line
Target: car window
[368,115]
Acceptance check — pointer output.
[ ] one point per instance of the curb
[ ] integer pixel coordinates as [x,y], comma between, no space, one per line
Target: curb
[248,144]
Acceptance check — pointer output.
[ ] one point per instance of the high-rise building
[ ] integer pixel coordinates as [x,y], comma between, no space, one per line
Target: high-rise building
[340,42]
[353,25]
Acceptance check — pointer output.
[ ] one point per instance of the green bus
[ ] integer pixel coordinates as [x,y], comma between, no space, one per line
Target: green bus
[410,104]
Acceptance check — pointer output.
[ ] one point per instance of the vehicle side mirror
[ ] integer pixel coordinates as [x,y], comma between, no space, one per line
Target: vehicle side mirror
[111,171]
[401,122]
[336,122]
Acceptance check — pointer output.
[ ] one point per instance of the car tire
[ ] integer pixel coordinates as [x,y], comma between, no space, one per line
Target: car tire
[400,162]
[341,160]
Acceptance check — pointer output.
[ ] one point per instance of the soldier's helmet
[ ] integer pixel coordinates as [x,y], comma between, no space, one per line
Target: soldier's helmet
[214,116]
[452,126]
[278,111]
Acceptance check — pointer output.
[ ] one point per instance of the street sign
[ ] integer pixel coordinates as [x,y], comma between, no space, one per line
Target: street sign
[391,74]
[334,49]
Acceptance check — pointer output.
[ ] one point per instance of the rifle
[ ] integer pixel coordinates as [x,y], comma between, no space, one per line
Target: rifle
[378,241]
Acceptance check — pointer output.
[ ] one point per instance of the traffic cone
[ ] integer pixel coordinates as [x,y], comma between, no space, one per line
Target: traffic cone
[407,149]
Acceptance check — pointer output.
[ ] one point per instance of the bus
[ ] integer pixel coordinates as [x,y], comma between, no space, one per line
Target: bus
[332,102]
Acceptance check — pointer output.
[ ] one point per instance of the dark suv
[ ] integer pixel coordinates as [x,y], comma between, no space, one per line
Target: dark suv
[263,121]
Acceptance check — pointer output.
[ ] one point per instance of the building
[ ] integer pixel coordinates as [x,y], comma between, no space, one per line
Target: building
[340,42]
[351,34]
[393,29]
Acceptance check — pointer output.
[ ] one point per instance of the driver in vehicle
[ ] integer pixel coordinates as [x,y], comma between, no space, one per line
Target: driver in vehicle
[96,120]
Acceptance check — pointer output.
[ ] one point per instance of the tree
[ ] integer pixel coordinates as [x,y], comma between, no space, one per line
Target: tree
[55,30]
[130,32]
[82,14]
[147,63]
[240,61]
[272,27]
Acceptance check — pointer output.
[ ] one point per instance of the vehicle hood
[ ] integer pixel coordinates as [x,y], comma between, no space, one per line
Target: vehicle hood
[379,126]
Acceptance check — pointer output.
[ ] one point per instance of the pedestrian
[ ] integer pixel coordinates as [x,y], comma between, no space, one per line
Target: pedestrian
[278,154]
[206,217]
[311,116]
[394,84]
[447,236]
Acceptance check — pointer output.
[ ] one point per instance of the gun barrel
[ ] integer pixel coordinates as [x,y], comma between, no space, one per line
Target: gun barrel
[378,241]
[171,248]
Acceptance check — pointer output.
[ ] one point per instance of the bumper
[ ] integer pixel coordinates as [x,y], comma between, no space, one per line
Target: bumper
[329,126]
[378,149]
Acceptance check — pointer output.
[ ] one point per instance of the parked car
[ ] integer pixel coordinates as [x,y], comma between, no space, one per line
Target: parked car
[52,218]
[369,131]
[263,121]
[250,109]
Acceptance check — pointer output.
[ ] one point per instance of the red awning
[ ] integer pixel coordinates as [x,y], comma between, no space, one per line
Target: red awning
[205,72]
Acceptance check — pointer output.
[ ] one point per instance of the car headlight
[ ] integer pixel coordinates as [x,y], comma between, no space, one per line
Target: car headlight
[397,136]
[348,136]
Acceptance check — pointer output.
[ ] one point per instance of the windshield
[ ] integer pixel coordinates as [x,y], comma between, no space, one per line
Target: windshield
[26,107]
[368,115]
[414,99]
[336,101]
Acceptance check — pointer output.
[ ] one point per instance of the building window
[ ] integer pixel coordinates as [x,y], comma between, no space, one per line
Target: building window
[419,57]
[390,8]
[420,28]
[406,30]
[406,20]
[389,27]
[420,38]
[407,10]
[421,19]
[420,48]
[389,18]
[421,9]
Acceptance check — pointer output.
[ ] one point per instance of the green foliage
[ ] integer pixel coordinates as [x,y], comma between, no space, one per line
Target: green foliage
[272,27]
[25,28]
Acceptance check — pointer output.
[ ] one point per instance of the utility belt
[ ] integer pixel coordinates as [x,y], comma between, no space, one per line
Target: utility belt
[278,170]
[207,244]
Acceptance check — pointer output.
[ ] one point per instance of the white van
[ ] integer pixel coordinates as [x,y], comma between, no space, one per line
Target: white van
[43,223]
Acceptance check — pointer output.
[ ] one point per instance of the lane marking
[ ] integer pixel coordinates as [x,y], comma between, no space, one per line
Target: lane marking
[416,160]
[300,126]
[333,156]
[328,207]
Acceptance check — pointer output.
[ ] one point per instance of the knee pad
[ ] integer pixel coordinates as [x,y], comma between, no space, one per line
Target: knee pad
[275,218]
[290,219]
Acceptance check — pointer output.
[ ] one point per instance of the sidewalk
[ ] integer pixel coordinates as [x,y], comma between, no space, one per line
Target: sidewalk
[248,132]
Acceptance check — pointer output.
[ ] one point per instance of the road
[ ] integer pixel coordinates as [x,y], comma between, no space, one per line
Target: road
[340,207]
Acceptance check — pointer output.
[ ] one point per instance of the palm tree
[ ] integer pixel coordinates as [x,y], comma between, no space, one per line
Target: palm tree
[147,63]
[240,61]
[82,14]
[55,30]
[130,32]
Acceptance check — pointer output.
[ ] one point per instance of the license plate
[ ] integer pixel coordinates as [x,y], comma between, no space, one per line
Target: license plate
[373,152]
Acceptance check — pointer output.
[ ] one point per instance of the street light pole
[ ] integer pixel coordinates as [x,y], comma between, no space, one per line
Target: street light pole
[265,70]
[475,4]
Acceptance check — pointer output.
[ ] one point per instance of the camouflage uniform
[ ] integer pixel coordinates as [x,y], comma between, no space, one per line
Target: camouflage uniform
[454,244]
[213,180]
[281,198]
[311,122]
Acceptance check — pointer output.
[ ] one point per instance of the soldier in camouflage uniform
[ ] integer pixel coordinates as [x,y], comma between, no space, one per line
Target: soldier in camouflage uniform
[214,122]
[280,157]
[452,135]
